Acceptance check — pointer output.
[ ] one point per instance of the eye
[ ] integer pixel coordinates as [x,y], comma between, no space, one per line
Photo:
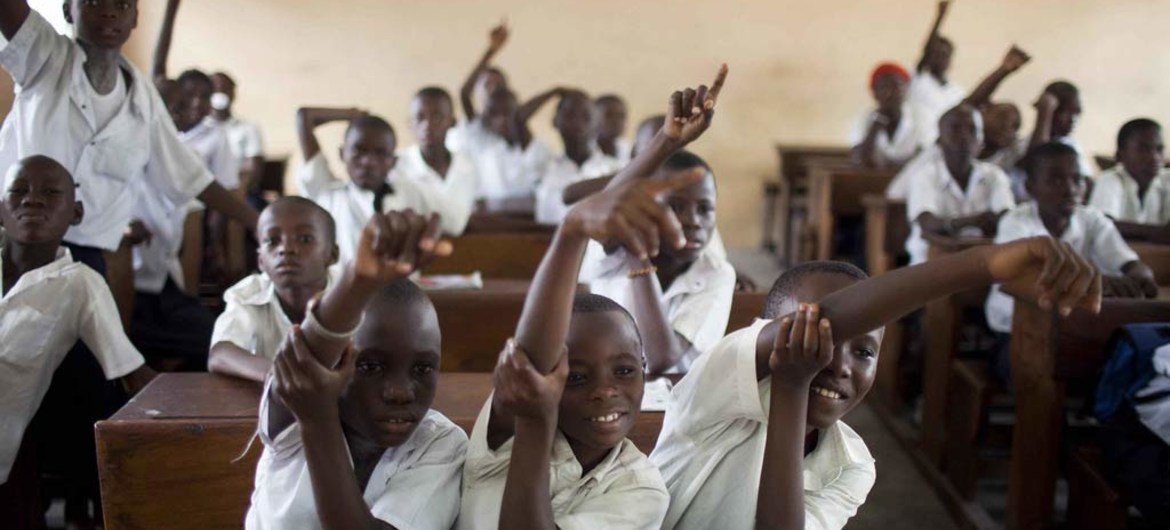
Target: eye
[368,367]
[866,353]
[423,369]
[305,238]
[625,371]
[575,378]
[270,241]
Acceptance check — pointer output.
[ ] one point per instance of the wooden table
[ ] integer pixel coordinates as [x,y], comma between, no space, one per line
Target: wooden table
[495,255]
[168,459]
[835,190]
[793,188]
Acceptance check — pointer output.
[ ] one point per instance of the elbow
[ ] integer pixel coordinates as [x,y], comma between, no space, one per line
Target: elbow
[215,361]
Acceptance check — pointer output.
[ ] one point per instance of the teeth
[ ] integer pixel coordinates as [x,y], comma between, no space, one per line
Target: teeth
[397,421]
[824,392]
[607,418]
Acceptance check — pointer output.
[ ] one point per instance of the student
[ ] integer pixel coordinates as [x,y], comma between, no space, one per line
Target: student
[448,177]
[576,122]
[48,303]
[484,79]
[892,134]
[350,440]
[1136,192]
[931,92]
[368,154]
[1003,146]
[244,137]
[508,162]
[297,249]
[952,193]
[1057,111]
[682,305]
[612,114]
[753,437]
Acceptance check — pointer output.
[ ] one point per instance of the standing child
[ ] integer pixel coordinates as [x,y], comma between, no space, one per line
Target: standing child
[612,113]
[448,177]
[931,92]
[1136,192]
[244,138]
[1057,111]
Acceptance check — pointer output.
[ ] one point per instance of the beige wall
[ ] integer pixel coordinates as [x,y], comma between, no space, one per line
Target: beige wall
[798,67]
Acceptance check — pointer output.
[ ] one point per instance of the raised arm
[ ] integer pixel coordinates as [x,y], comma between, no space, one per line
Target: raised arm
[932,37]
[219,199]
[1045,111]
[1014,59]
[13,13]
[528,109]
[162,48]
[309,118]
[496,40]
[664,346]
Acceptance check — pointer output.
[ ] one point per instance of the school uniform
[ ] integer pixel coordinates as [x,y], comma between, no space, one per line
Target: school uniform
[504,171]
[253,318]
[1084,163]
[1089,232]
[698,301]
[41,317]
[209,140]
[244,138]
[908,139]
[1008,159]
[452,195]
[109,145]
[932,189]
[414,486]
[712,443]
[1115,192]
[351,206]
[624,491]
[563,172]
[932,98]
[623,150]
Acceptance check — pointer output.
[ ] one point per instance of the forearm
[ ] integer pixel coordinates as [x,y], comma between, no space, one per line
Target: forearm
[648,161]
[335,491]
[309,118]
[579,190]
[981,96]
[781,490]
[662,346]
[544,322]
[1042,132]
[527,503]
[339,311]
[221,200]
[468,87]
[530,107]
[13,13]
[162,49]
[231,360]
[865,153]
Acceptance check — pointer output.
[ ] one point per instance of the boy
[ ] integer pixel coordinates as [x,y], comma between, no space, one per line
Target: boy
[951,192]
[1136,192]
[244,138]
[202,134]
[1057,111]
[448,177]
[893,133]
[297,248]
[612,113]
[350,439]
[754,437]
[484,79]
[1003,146]
[681,307]
[930,92]
[508,164]
[48,303]
[368,153]
[576,122]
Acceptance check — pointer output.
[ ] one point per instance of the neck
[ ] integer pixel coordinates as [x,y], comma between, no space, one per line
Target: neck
[437,156]
[588,457]
[222,115]
[959,165]
[669,270]
[1055,223]
[811,437]
[578,152]
[294,299]
[19,259]
[101,66]
[608,146]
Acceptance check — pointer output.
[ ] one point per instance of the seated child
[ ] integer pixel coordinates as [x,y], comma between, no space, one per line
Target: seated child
[368,154]
[297,248]
[550,448]
[350,439]
[1136,192]
[753,437]
[448,177]
[892,134]
[950,192]
[1057,113]
[508,164]
[612,115]
[48,303]
[683,303]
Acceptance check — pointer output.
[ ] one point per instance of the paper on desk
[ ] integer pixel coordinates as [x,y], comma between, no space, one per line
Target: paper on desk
[656,395]
[439,282]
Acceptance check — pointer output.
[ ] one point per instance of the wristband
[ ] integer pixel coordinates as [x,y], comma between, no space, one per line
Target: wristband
[311,324]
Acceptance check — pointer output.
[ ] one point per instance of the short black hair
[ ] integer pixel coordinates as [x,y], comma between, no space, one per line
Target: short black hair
[1045,151]
[330,224]
[1064,91]
[683,159]
[609,98]
[584,303]
[435,92]
[401,292]
[1133,128]
[571,93]
[194,76]
[792,278]
[370,121]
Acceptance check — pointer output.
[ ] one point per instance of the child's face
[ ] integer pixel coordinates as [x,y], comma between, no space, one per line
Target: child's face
[890,92]
[575,119]
[1056,186]
[603,392]
[38,204]
[1064,120]
[198,96]
[103,23]
[498,111]
[1001,125]
[488,82]
[850,375]
[430,119]
[224,85]
[397,370]
[613,119]
[959,134]
[939,60]
[694,206]
[296,248]
[1142,154]
[368,154]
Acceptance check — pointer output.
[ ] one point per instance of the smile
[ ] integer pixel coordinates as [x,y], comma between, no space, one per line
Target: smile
[826,393]
[608,418]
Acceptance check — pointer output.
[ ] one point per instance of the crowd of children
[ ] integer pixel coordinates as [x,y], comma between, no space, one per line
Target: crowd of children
[98,159]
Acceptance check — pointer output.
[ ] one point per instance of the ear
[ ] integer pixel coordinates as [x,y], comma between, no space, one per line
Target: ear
[334,254]
[341,152]
[393,161]
[66,8]
[78,213]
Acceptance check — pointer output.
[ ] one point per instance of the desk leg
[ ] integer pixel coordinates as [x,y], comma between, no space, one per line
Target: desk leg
[940,330]
[1039,409]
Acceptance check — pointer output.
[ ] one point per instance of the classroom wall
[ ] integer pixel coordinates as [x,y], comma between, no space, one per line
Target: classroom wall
[799,68]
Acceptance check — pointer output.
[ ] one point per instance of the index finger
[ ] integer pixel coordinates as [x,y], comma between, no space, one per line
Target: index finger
[657,188]
[716,87]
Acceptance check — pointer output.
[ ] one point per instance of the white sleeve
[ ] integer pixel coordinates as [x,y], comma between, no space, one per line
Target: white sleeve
[36,52]
[921,197]
[550,203]
[1001,198]
[1108,195]
[315,177]
[721,386]
[173,169]
[859,128]
[702,317]
[831,507]
[1010,228]
[224,164]
[1109,249]
[100,328]
[253,141]
[425,495]
[235,325]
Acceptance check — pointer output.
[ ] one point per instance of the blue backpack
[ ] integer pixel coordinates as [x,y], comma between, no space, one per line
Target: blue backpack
[1130,366]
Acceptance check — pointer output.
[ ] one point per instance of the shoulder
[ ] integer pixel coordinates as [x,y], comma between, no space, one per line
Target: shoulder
[1091,216]
[853,444]
[253,290]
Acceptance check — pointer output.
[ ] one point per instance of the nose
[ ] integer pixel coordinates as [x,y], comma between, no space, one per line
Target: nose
[841,366]
[398,390]
[604,391]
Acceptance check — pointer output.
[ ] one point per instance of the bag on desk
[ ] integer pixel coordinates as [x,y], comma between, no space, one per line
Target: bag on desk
[1130,366]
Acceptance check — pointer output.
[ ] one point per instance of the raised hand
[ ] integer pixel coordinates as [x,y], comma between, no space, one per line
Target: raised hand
[1015,59]
[137,233]
[1047,102]
[803,347]
[309,389]
[498,37]
[522,389]
[395,244]
[1061,278]
[690,111]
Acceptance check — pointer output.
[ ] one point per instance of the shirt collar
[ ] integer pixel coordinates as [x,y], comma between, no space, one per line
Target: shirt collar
[944,180]
[264,290]
[839,447]
[566,464]
[137,95]
[53,269]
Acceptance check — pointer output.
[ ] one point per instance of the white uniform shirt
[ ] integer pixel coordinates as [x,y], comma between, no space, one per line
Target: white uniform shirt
[711,449]
[563,172]
[698,302]
[504,171]
[351,206]
[1008,159]
[209,140]
[253,318]
[931,189]
[1115,193]
[414,486]
[53,114]
[932,99]
[451,196]
[244,138]
[41,317]
[1089,232]
[624,491]
[908,140]
[158,259]
[1083,162]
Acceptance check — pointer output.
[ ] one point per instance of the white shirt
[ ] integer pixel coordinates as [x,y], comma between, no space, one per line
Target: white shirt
[563,172]
[209,140]
[351,206]
[1089,232]
[253,318]
[1083,162]
[1008,159]
[931,189]
[624,491]
[932,99]
[244,138]
[105,106]
[414,486]
[53,114]
[1115,192]
[624,149]
[711,449]
[41,317]
[907,142]
[158,259]
[452,196]
[505,172]
[698,302]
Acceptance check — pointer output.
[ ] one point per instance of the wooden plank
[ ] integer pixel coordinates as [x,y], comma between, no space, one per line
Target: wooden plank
[838,190]
[793,178]
[1157,257]
[509,256]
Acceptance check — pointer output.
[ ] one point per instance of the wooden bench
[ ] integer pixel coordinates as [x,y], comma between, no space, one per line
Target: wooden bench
[495,255]
[837,190]
[792,183]
[886,230]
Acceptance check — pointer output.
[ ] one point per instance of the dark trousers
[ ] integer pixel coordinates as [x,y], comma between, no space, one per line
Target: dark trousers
[21,505]
[172,328]
[1138,461]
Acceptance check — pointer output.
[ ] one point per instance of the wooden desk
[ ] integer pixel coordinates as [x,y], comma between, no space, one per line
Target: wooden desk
[886,230]
[166,458]
[495,255]
[505,223]
[1157,257]
[836,190]
[793,184]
